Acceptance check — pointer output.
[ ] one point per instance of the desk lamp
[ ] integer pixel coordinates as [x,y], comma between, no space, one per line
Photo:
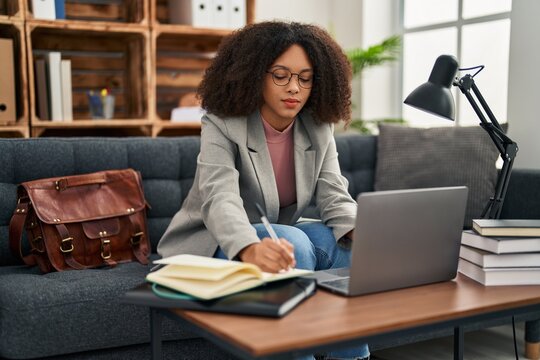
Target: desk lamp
[436,98]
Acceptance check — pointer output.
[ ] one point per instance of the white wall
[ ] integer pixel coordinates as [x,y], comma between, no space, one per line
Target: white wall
[524,83]
[380,85]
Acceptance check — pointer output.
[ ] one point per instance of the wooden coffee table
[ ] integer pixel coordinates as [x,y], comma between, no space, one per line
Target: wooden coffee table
[328,322]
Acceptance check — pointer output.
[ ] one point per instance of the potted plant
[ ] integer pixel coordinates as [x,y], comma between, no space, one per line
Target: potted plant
[378,54]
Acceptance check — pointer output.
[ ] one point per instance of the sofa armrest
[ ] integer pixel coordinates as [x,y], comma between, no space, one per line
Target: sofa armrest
[522,199]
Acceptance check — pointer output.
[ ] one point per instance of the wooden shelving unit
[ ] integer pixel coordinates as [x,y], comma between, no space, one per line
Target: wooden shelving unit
[125,13]
[180,54]
[180,57]
[126,46]
[102,56]
[13,28]
[141,127]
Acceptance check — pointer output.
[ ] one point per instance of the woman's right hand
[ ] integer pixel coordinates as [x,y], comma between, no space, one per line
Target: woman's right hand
[269,255]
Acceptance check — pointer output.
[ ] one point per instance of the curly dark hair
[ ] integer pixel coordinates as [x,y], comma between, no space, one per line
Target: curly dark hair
[233,83]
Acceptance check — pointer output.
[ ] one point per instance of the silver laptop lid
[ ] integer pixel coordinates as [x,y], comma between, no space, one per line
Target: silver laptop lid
[406,238]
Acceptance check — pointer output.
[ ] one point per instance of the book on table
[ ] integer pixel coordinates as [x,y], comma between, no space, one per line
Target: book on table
[500,276]
[507,227]
[501,244]
[274,299]
[209,278]
[488,259]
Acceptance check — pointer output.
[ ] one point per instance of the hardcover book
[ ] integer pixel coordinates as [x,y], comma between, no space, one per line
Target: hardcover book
[487,259]
[274,299]
[44,9]
[500,276]
[42,92]
[507,227]
[67,102]
[501,244]
[209,278]
[54,78]
[59,9]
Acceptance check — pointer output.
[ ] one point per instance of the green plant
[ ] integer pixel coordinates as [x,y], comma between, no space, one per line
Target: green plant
[378,54]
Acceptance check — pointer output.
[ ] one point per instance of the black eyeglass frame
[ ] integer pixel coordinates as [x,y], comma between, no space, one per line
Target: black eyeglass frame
[290,77]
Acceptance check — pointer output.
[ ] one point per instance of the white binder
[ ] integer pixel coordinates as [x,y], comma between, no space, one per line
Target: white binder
[237,13]
[44,9]
[202,13]
[196,13]
[220,14]
[67,102]
[53,59]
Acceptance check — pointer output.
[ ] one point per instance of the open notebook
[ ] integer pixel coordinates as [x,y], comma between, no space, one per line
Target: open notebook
[209,278]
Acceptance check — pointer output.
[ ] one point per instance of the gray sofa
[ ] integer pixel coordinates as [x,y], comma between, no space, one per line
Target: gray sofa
[77,314]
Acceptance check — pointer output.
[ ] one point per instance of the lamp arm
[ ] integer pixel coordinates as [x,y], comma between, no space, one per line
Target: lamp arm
[507,148]
[493,207]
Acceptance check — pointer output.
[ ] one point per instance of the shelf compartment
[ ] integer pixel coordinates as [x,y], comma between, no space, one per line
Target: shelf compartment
[114,11]
[159,11]
[116,127]
[118,61]
[181,56]
[15,131]
[15,31]
[169,128]
[12,10]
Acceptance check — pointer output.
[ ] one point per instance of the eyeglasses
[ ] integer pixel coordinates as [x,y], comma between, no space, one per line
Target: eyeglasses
[282,77]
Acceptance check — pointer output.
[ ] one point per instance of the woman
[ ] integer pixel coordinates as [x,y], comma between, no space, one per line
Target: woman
[272,95]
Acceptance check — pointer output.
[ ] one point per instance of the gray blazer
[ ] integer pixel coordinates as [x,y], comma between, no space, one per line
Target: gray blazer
[234,171]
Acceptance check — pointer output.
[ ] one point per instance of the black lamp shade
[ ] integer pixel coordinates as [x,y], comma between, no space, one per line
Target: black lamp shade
[435,96]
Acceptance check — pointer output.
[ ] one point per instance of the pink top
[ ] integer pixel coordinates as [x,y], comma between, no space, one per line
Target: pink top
[281,148]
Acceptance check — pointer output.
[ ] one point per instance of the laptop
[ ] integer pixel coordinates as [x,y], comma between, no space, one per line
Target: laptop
[402,238]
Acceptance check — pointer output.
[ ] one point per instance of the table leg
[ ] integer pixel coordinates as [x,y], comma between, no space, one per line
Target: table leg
[155,333]
[459,340]
[532,339]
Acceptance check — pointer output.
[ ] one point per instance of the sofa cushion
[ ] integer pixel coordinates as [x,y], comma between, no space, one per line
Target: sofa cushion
[357,156]
[72,311]
[445,156]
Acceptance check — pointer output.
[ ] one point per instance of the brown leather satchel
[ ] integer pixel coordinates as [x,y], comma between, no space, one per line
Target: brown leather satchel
[81,221]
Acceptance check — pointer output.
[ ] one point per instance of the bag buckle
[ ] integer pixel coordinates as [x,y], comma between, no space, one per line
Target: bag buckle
[22,199]
[64,249]
[31,225]
[136,238]
[105,242]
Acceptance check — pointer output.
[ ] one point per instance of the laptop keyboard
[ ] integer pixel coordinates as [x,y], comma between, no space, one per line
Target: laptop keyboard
[342,284]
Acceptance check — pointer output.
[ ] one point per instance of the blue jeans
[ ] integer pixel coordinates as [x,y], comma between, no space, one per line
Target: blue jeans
[315,248]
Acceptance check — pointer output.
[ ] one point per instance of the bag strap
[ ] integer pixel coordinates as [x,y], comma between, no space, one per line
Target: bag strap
[135,239]
[66,247]
[16,226]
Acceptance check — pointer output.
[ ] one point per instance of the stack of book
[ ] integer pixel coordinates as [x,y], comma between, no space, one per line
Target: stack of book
[502,252]
[53,87]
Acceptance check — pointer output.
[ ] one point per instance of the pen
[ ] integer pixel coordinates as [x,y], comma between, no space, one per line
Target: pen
[156,267]
[266,223]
